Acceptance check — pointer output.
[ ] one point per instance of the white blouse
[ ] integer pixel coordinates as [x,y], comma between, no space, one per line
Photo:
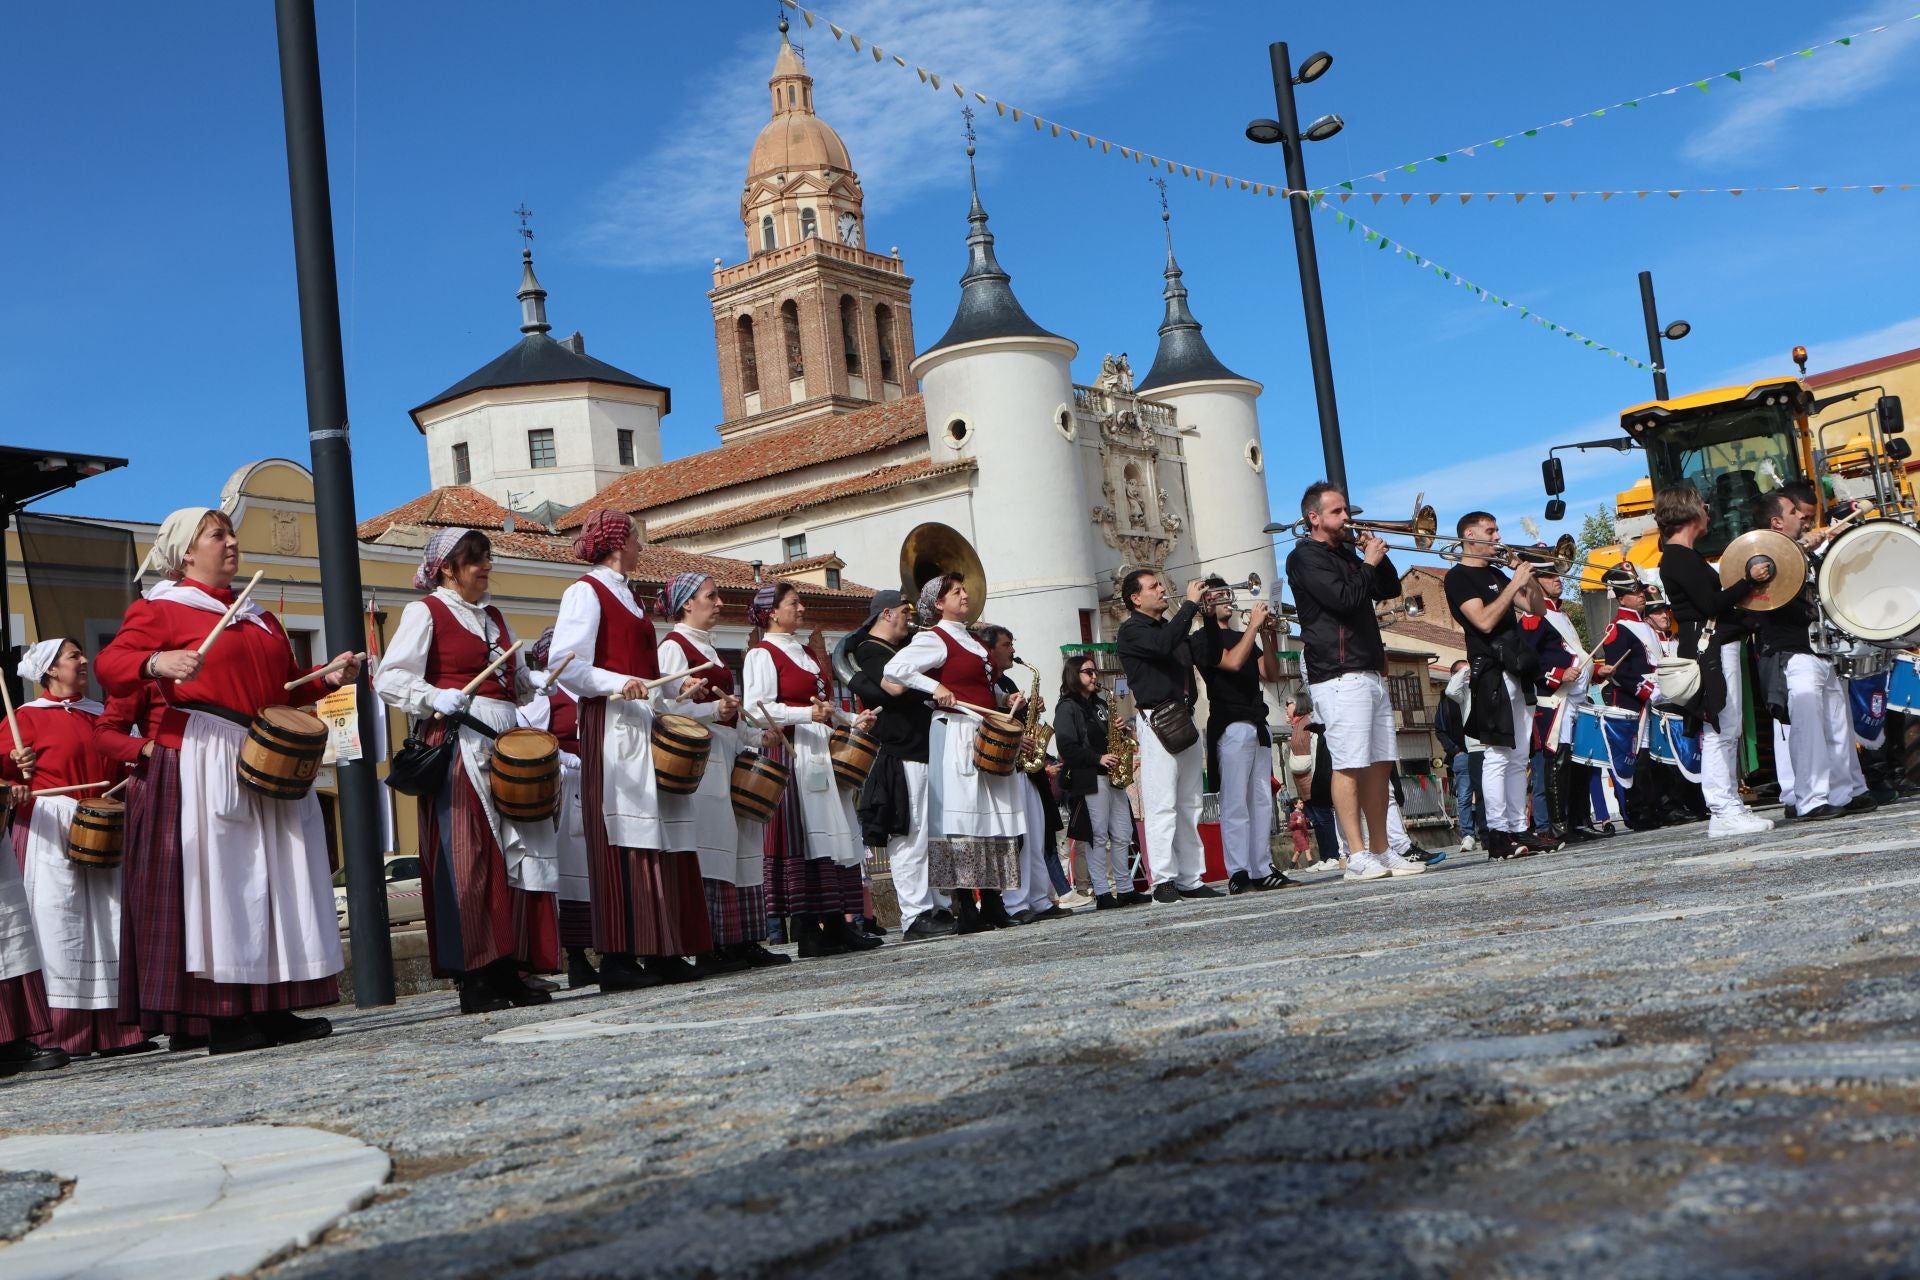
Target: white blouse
[402,679]
[673,661]
[926,653]
[577,629]
[761,681]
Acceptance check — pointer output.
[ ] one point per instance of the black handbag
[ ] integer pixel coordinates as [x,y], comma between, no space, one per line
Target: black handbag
[418,769]
[1172,723]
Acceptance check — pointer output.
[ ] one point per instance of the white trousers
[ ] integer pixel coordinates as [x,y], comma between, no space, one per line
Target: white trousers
[1246,801]
[1720,744]
[1170,795]
[1398,841]
[1826,767]
[1111,819]
[1503,776]
[907,854]
[1035,892]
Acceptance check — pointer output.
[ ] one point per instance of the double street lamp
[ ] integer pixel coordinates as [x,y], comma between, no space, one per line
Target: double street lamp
[1287,132]
[1672,333]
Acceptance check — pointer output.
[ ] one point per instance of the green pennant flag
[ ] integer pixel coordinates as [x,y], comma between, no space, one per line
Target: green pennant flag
[1412,256]
[1588,341]
[1844,40]
[1631,102]
[1701,85]
[1532,133]
[1499,142]
[1602,111]
[1523,313]
[1805,53]
[1441,159]
[1734,76]
[1410,168]
[1383,242]
[1346,186]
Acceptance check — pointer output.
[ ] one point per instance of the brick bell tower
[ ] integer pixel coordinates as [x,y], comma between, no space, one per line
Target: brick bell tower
[812,322]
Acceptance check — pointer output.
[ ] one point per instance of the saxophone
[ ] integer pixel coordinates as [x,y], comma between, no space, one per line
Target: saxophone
[1121,744]
[1035,737]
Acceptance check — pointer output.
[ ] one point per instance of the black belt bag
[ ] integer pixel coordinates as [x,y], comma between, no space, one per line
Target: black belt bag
[1172,723]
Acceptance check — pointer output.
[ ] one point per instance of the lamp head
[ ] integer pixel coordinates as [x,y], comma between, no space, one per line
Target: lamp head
[1325,127]
[1264,131]
[1313,67]
[1676,331]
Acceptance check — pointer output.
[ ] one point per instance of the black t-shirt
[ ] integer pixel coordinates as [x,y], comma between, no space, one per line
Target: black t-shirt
[1232,696]
[1466,582]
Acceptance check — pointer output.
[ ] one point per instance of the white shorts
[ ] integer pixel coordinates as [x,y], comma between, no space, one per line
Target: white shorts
[1358,718]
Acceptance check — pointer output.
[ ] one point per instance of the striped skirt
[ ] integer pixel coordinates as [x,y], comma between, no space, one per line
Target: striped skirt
[23,1008]
[799,885]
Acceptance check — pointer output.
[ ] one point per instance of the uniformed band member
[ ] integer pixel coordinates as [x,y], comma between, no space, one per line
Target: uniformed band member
[1560,781]
[1081,730]
[1632,651]
[235,927]
[488,881]
[1239,744]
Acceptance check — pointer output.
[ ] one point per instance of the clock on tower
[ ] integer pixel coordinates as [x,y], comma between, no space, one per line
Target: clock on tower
[849,230]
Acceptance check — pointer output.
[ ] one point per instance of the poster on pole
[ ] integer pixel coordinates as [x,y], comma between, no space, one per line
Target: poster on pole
[340,709]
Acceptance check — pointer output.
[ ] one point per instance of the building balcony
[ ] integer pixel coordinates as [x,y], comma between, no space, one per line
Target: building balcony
[761,263]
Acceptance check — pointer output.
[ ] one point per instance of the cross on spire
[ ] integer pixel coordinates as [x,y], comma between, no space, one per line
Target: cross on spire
[1166,215]
[526,232]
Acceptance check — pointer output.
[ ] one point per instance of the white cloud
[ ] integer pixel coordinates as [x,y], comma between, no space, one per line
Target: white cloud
[1832,353]
[678,203]
[1834,77]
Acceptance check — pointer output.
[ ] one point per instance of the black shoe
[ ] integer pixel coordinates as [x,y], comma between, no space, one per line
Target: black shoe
[1054,912]
[1582,835]
[1862,803]
[1505,844]
[283,1026]
[505,977]
[623,973]
[942,915]
[714,965]
[1607,829]
[181,1042]
[1281,880]
[235,1035]
[814,942]
[993,910]
[1204,891]
[869,926]
[669,969]
[1106,902]
[1239,882]
[1134,898]
[1165,892]
[1415,853]
[127,1051]
[851,935]
[758,957]
[1815,813]
[966,913]
[580,970]
[479,995]
[927,925]
[17,1056]
[1540,841]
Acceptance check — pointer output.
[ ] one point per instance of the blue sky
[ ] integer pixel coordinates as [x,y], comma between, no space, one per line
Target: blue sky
[152,310]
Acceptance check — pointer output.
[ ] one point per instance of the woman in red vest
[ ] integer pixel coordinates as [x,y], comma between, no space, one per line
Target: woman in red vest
[488,882]
[648,904]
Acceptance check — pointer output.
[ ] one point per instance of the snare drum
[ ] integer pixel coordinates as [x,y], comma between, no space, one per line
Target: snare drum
[996,745]
[1869,581]
[758,783]
[94,839]
[1606,738]
[1903,686]
[1669,743]
[679,753]
[282,753]
[525,777]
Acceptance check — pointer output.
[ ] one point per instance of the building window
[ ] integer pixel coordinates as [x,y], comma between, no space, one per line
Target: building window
[749,359]
[462,465]
[809,224]
[1086,626]
[767,238]
[624,439]
[833,579]
[794,547]
[540,448]
[790,331]
[883,331]
[1407,696]
[850,332]
[957,433]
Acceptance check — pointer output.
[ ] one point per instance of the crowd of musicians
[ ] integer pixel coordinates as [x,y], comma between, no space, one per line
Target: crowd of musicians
[216,924]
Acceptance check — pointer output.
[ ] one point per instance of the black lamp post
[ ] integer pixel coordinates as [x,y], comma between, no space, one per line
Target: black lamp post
[1287,132]
[1673,333]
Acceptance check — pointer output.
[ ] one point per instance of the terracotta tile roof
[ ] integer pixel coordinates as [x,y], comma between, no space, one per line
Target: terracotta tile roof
[809,562]
[1425,633]
[779,504]
[454,505]
[823,439]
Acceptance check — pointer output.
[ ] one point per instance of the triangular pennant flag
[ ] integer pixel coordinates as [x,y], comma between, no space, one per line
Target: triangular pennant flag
[1844,40]
[1466,197]
[837,32]
[1106,148]
[922,73]
[1605,196]
[1771,64]
[1575,195]
[1518,196]
[1347,186]
[1372,235]
[982,98]
[1090,140]
[1344,197]
[1805,53]
[1433,198]
[1493,195]
[1153,162]
[808,15]
[1410,168]
[1125,154]
[899,61]
[934,79]
[1499,142]
[1405,196]
[1642,195]
[1734,76]
[1631,102]
[1039,126]
[1567,123]
[1074,134]
[1383,242]
[855,42]
[1379,177]
[1183,171]
[1602,111]
[1738,191]
[1466,151]
[1673,195]
[1441,158]
[1876,190]
[1547,197]
[1000,108]
[1016,115]
[877,52]
[1211,178]
[958,91]
[1820,190]
[1532,133]
[1375,196]
[1701,85]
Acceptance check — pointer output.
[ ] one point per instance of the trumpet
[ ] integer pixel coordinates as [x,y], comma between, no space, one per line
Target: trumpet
[1214,596]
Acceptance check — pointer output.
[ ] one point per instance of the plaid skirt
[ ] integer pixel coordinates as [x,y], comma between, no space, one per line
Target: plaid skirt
[156,991]
[646,902]
[799,885]
[23,1008]
[474,916]
[736,914]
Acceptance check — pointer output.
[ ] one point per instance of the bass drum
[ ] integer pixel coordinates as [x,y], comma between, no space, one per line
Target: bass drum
[1870,582]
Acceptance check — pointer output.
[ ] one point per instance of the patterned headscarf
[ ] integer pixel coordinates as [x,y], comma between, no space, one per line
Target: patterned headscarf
[674,597]
[930,599]
[605,531]
[38,659]
[537,653]
[427,576]
[168,557]
[760,612]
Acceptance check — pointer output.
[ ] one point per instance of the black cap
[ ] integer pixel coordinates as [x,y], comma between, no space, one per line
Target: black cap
[883,601]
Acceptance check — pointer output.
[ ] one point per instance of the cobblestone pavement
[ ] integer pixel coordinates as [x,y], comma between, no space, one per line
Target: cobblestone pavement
[1650,1057]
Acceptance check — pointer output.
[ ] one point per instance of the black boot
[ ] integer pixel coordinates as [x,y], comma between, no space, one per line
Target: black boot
[993,911]
[479,995]
[758,957]
[235,1035]
[815,942]
[622,973]
[717,963]
[284,1026]
[966,913]
[850,935]
[580,970]
[504,973]
[24,1055]
[670,969]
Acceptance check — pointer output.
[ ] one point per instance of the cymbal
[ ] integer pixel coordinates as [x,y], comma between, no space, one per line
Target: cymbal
[1789,567]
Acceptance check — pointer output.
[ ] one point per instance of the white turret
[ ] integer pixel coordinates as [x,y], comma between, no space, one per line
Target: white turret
[998,389]
[1220,424]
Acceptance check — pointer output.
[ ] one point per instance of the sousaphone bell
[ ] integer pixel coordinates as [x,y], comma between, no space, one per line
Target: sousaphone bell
[933,549]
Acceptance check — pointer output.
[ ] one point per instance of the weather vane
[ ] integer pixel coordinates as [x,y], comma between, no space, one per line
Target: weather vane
[967,114]
[526,232]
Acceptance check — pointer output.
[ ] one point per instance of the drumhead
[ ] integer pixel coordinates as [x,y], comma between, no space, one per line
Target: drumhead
[293,720]
[101,808]
[526,744]
[1870,580]
[683,727]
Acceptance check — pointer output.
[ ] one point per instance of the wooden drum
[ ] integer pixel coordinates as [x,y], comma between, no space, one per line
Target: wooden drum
[758,783]
[525,777]
[852,751]
[94,839]
[996,747]
[679,753]
[282,753]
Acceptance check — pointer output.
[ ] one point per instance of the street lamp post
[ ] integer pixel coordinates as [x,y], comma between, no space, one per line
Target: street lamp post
[1673,333]
[1286,131]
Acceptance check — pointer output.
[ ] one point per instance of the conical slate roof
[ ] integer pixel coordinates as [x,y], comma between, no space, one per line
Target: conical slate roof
[1184,355]
[987,308]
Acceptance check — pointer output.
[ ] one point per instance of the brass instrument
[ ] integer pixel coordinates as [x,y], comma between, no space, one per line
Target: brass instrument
[1121,744]
[933,549]
[1035,737]
[1213,596]
[1422,528]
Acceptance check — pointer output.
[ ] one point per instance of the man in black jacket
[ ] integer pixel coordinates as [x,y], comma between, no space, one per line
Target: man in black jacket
[1345,663]
[893,803]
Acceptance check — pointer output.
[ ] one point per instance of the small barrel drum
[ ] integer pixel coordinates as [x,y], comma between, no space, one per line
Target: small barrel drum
[94,838]
[679,753]
[852,751]
[525,776]
[758,783]
[996,747]
[282,753]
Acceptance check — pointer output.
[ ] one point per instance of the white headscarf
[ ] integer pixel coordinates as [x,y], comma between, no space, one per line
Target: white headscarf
[168,558]
[38,659]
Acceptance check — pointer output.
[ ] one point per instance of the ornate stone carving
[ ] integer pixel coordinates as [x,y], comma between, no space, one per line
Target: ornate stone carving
[1116,375]
[286,533]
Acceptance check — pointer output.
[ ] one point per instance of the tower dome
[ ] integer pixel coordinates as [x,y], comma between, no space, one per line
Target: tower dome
[800,181]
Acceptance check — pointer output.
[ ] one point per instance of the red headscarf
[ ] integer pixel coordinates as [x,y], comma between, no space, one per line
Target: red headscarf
[605,531]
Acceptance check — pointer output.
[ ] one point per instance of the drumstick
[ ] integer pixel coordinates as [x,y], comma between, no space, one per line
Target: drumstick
[553,676]
[61,791]
[327,670]
[227,617]
[651,685]
[108,793]
[13,721]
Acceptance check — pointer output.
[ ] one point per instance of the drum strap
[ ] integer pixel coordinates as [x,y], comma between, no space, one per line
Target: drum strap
[215,709]
[466,721]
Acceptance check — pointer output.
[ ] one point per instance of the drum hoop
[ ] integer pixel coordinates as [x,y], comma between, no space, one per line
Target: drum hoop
[1830,564]
[303,723]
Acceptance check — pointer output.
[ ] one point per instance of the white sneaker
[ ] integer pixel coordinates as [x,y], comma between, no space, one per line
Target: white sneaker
[1075,899]
[1739,824]
[1399,866]
[1364,866]
[1326,864]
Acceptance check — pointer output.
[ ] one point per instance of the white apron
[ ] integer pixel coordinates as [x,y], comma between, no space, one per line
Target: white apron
[964,801]
[76,913]
[825,810]
[631,799]
[572,835]
[19,951]
[530,848]
[257,891]
[704,821]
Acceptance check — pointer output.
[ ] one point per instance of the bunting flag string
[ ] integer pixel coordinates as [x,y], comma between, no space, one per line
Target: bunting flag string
[1386,244]
[1548,197]
[1703,85]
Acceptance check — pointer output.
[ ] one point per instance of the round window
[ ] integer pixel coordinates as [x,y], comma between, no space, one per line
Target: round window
[958,433]
[1255,458]
[1063,422]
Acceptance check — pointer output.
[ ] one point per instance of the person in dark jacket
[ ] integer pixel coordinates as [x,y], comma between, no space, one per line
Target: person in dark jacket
[1080,722]
[1345,663]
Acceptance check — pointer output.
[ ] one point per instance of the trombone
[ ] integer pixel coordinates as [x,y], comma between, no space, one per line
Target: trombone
[1564,555]
[1422,528]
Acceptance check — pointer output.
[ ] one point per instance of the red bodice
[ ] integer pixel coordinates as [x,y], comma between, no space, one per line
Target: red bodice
[625,641]
[965,673]
[798,686]
[457,655]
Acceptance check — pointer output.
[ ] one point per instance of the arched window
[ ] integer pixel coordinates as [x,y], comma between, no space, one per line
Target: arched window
[790,331]
[767,240]
[809,225]
[850,332]
[749,360]
[883,330]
